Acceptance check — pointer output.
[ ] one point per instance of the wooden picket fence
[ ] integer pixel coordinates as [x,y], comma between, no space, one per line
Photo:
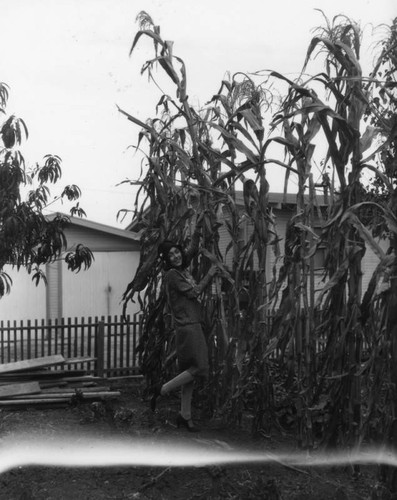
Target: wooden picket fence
[107,346]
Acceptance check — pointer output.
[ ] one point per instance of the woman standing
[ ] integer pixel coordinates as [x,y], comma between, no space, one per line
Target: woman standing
[191,347]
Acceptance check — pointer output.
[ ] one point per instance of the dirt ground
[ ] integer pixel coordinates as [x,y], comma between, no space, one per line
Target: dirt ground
[128,420]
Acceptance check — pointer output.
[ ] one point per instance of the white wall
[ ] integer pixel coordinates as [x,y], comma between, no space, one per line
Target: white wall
[26,301]
[94,292]
[98,291]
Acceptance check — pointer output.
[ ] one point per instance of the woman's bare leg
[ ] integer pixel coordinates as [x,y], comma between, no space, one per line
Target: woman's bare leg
[178,381]
[186,400]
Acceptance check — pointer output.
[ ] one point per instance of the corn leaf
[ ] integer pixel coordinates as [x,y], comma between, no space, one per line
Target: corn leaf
[148,33]
[365,234]
[236,143]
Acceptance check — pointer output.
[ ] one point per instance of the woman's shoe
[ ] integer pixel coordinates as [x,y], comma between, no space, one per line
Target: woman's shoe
[156,393]
[187,423]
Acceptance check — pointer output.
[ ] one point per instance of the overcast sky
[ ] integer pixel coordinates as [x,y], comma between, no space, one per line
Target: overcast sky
[67,65]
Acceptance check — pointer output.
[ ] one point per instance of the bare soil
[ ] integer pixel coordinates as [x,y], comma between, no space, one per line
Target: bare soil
[130,418]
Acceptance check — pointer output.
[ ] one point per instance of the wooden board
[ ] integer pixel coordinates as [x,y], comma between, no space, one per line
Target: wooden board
[41,374]
[49,385]
[22,402]
[19,389]
[48,372]
[28,364]
[73,390]
[86,378]
[56,396]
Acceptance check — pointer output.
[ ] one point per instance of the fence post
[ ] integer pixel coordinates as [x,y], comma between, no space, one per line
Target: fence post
[100,348]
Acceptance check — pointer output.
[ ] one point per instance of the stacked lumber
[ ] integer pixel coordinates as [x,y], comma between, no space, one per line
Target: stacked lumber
[34,382]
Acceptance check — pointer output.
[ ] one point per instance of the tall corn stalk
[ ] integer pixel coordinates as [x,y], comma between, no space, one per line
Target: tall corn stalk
[338,304]
[192,170]
[335,378]
[344,79]
[380,300]
[195,168]
[174,185]
[294,320]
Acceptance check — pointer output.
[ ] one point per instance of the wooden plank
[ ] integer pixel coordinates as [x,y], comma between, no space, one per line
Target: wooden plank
[28,340]
[25,341]
[36,339]
[58,390]
[138,378]
[56,379]
[15,342]
[18,402]
[121,352]
[44,375]
[109,348]
[100,347]
[75,339]
[85,378]
[70,394]
[82,337]
[49,385]
[19,389]
[128,346]
[69,338]
[31,364]
[134,343]
[44,336]
[50,374]
[89,336]
[9,339]
[115,349]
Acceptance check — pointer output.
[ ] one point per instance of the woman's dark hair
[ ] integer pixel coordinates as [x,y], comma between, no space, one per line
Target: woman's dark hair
[164,250]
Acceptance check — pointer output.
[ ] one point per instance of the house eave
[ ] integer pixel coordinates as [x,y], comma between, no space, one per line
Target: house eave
[275,200]
[97,226]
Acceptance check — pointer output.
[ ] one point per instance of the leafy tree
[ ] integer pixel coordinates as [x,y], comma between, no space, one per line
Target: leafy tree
[27,238]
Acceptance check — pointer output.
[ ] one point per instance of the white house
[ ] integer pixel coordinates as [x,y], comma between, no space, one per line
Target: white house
[283,206]
[98,290]
[93,292]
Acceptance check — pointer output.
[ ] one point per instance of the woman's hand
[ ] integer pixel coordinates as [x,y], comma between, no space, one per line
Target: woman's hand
[214,270]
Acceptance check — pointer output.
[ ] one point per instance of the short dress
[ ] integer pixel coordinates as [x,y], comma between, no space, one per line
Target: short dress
[191,346]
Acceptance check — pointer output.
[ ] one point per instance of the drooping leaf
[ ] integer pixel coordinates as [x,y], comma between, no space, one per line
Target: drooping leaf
[236,143]
[5,283]
[150,34]
[365,234]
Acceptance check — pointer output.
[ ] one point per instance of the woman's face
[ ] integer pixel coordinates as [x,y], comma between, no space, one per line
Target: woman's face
[175,257]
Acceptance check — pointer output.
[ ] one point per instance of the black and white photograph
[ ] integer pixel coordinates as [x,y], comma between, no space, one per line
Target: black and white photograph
[198,250]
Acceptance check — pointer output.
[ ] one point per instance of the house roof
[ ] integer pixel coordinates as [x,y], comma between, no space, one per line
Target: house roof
[96,226]
[276,200]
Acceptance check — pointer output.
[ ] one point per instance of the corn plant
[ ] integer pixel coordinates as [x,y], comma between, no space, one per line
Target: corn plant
[336,374]
[340,125]
[196,161]
[193,169]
